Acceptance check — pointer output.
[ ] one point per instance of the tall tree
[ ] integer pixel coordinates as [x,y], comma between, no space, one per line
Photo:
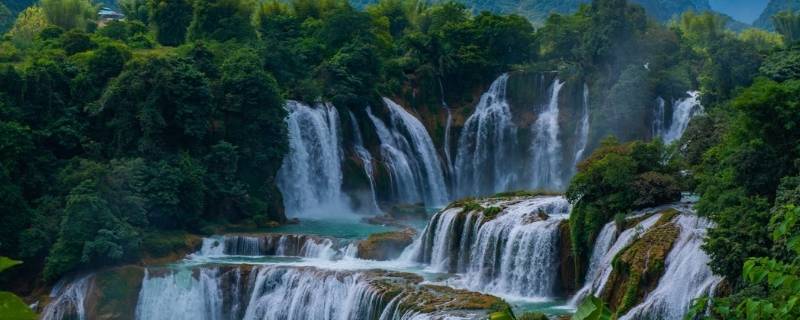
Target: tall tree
[222,20]
[69,14]
[171,19]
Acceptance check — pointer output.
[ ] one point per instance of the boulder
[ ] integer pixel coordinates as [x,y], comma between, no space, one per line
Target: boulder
[385,245]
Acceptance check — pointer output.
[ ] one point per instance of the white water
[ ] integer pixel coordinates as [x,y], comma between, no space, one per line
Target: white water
[658,117]
[513,254]
[311,294]
[180,295]
[410,157]
[603,254]
[310,178]
[366,161]
[422,148]
[484,160]
[582,132]
[546,148]
[68,300]
[683,111]
[276,245]
[687,275]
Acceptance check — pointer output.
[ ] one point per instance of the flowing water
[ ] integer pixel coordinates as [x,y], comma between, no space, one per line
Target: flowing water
[546,148]
[486,146]
[687,275]
[366,162]
[68,299]
[512,254]
[410,157]
[607,245]
[310,178]
[683,111]
[582,131]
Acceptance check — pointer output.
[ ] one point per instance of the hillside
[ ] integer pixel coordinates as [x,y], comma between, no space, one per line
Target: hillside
[538,10]
[773,7]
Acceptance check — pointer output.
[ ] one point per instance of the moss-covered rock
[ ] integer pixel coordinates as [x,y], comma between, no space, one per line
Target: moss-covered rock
[566,266]
[385,245]
[114,293]
[638,267]
[166,247]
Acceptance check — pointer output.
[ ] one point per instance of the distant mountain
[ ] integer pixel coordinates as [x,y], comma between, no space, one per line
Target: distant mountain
[773,7]
[17,6]
[745,11]
[538,10]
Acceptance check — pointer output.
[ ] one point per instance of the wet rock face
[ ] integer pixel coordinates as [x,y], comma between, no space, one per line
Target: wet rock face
[566,267]
[385,246]
[638,268]
[114,292]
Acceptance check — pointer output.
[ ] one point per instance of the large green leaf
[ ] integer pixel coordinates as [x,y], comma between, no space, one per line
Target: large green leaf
[13,308]
[6,263]
[592,309]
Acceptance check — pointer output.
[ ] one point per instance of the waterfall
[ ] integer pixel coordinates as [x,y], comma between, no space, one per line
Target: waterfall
[312,294]
[484,159]
[282,293]
[68,300]
[410,156]
[275,245]
[310,178]
[546,148]
[366,161]
[180,295]
[423,148]
[513,253]
[658,117]
[448,124]
[582,132]
[604,252]
[687,275]
[683,111]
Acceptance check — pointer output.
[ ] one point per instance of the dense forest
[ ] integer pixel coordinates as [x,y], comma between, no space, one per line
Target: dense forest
[119,136]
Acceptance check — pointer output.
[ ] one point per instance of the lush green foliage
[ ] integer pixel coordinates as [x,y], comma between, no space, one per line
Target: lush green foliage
[11,306]
[616,179]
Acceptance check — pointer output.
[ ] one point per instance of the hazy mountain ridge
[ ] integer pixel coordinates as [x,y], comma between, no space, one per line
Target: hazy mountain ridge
[773,8]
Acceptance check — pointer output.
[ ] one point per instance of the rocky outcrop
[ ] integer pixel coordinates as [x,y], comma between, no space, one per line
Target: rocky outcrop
[638,267]
[114,292]
[386,245]
[566,261]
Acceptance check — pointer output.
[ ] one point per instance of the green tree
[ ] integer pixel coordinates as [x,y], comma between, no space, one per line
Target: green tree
[156,105]
[787,23]
[69,14]
[616,179]
[28,25]
[135,10]
[171,19]
[223,20]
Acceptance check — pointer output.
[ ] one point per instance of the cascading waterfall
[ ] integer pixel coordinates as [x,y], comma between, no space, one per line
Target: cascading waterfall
[179,295]
[276,245]
[484,157]
[409,154]
[582,132]
[273,292]
[546,148]
[605,249]
[514,253]
[423,148]
[310,178]
[682,112]
[687,275]
[68,300]
[658,117]
[366,161]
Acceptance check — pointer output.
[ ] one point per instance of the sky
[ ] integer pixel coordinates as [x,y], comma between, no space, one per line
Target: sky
[743,10]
